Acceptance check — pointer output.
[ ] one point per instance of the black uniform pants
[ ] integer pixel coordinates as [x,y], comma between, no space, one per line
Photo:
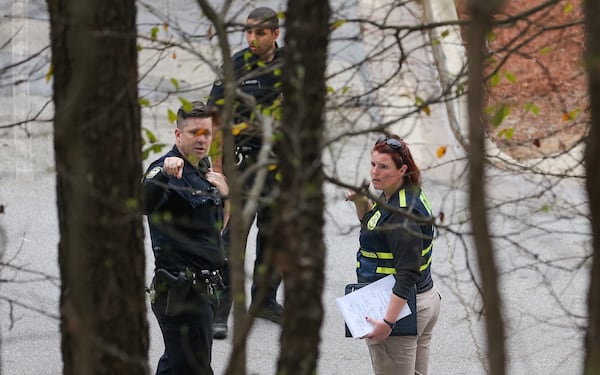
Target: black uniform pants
[262,266]
[187,335]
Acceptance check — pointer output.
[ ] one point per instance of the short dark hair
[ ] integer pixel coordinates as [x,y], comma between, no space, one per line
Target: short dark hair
[266,17]
[198,110]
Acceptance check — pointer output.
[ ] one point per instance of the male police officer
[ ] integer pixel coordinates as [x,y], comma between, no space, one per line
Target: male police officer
[257,69]
[184,201]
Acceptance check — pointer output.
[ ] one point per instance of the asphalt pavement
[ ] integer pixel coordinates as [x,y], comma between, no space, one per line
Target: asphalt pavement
[539,240]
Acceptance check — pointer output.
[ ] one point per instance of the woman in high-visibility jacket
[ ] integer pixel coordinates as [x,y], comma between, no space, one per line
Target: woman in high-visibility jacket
[396,238]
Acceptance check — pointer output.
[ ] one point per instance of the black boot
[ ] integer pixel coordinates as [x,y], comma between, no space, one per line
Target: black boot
[272,311]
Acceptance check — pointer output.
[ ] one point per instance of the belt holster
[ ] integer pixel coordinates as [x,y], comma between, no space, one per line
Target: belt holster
[178,289]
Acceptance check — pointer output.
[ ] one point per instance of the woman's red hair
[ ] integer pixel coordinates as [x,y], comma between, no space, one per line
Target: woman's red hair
[401,156]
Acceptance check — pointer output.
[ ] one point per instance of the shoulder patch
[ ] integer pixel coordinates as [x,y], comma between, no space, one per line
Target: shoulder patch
[153,172]
[372,223]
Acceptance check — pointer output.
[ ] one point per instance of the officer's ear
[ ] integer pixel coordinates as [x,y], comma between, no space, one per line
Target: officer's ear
[403,168]
[177,135]
[276,33]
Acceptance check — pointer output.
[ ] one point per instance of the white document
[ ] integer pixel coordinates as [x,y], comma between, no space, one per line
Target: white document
[371,300]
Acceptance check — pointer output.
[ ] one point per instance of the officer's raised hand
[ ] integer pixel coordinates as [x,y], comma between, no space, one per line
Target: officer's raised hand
[173,166]
[361,202]
[218,179]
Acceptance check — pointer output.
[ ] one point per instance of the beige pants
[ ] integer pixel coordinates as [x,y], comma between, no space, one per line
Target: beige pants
[408,355]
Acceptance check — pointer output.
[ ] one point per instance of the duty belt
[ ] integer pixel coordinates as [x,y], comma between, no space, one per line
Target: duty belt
[198,279]
[179,285]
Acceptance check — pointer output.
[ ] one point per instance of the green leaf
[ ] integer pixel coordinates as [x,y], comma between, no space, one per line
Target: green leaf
[175,83]
[155,148]
[507,133]
[435,42]
[445,33]
[494,80]
[568,8]
[546,208]
[143,102]
[337,24]
[491,36]
[154,32]
[172,116]
[546,50]
[489,109]
[510,77]
[531,107]
[277,72]
[277,113]
[330,90]
[500,115]
[186,104]
[151,137]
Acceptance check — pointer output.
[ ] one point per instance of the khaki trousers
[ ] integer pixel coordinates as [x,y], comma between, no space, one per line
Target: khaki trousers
[408,355]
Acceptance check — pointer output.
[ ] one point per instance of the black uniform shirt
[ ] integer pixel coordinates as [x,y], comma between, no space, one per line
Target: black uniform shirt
[184,216]
[262,81]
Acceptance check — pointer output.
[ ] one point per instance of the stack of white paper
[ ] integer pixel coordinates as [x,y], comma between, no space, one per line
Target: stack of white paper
[371,300]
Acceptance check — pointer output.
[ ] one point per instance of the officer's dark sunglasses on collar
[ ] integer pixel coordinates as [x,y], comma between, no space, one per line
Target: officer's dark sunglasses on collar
[392,142]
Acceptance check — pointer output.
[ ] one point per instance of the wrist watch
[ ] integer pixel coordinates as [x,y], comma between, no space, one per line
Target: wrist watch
[392,325]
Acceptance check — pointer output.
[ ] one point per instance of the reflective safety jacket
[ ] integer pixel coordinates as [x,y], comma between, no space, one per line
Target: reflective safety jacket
[391,243]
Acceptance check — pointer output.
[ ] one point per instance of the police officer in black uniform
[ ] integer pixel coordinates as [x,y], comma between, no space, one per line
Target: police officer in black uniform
[258,72]
[185,203]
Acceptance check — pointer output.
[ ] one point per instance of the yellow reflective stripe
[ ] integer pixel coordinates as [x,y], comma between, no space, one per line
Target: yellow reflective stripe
[402,198]
[427,250]
[357,264]
[425,201]
[424,267]
[376,255]
[386,270]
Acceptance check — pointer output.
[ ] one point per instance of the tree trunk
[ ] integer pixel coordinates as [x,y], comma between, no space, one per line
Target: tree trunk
[482,12]
[98,162]
[300,209]
[592,166]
